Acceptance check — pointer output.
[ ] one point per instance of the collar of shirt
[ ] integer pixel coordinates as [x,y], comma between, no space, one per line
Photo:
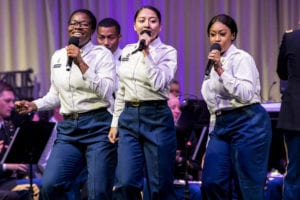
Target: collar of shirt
[232,49]
[86,48]
[117,56]
[117,53]
[154,44]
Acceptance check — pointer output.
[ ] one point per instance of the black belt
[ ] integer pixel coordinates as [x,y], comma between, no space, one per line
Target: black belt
[223,112]
[74,115]
[146,103]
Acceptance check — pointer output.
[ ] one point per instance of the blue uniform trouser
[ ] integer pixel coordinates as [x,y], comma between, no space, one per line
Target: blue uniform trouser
[274,189]
[194,192]
[238,146]
[146,148]
[291,184]
[81,142]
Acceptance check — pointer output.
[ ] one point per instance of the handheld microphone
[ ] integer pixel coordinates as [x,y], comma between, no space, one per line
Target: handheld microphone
[75,41]
[210,63]
[142,44]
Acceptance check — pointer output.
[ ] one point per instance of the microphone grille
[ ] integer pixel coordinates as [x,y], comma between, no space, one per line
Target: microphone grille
[74,40]
[148,32]
[215,46]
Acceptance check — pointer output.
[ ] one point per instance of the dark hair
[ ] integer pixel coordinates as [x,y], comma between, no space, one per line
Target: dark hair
[226,20]
[174,81]
[92,17]
[5,87]
[151,8]
[110,22]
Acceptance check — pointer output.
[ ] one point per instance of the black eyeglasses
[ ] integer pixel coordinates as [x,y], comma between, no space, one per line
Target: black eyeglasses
[80,24]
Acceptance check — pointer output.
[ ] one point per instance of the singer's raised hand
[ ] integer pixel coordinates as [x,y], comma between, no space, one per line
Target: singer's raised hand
[145,36]
[73,51]
[215,56]
[144,41]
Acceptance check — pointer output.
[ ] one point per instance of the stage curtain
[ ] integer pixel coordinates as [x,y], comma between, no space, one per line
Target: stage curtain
[31,30]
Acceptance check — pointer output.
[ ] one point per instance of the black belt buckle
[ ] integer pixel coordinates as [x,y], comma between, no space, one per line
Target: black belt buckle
[145,103]
[72,116]
[75,115]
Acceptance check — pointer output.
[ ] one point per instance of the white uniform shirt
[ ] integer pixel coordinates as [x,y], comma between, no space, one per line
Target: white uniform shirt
[238,86]
[117,59]
[142,77]
[77,92]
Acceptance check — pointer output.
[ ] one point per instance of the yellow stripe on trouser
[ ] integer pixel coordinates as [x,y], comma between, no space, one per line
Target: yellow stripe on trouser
[21,187]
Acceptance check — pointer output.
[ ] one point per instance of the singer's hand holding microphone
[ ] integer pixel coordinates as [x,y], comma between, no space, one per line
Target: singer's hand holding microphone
[73,52]
[214,59]
[145,37]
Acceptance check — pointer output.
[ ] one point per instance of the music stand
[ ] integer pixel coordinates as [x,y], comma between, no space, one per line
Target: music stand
[27,145]
[194,115]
